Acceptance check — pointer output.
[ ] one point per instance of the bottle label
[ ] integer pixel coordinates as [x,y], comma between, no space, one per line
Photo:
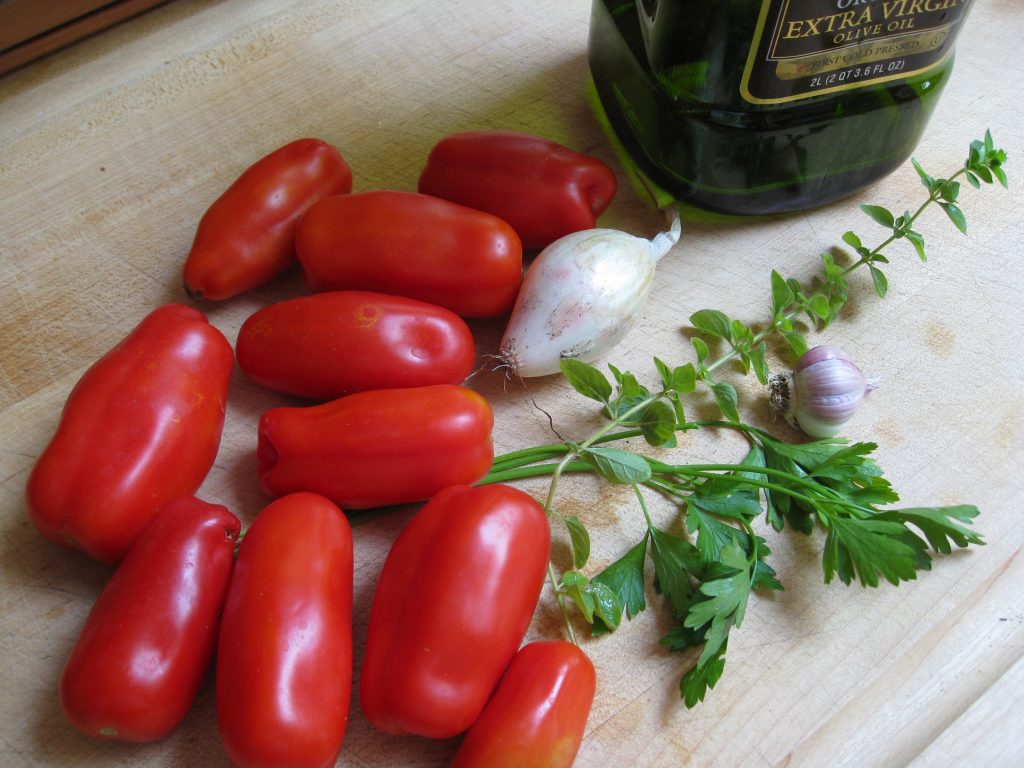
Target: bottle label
[804,48]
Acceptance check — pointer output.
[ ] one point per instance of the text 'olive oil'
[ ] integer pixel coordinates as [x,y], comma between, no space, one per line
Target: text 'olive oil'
[769,106]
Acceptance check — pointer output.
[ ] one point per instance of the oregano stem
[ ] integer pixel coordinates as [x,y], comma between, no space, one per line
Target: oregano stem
[776,324]
[560,598]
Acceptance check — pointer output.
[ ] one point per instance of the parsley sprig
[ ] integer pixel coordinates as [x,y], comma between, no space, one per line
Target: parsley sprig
[707,575]
[828,484]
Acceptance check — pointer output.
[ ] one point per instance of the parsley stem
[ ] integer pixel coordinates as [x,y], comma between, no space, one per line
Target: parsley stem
[643,507]
[535,470]
[670,488]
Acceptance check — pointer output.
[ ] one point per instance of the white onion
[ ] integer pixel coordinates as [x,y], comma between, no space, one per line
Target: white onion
[580,297]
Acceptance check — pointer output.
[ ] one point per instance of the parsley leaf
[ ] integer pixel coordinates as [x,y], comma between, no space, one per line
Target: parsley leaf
[676,561]
[937,525]
[867,549]
[695,684]
[625,577]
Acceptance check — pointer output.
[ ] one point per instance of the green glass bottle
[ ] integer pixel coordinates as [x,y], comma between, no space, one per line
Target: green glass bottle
[770,106]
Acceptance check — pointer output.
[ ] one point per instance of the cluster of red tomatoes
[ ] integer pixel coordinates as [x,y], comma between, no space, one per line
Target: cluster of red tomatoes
[382,346]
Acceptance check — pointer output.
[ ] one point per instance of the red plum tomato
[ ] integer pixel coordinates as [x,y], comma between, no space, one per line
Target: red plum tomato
[331,344]
[150,637]
[538,713]
[247,236]
[452,605]
[543,189]
[140,428]
[284,656]
[412,245]
[377,448]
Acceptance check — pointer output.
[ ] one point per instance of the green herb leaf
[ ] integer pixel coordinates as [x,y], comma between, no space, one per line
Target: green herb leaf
[725,395]
[594,600]
[627,385]
[712,534]
[683,379]
[820,306]
[701,348]
[712,322]
[764,575]
[676,561]
[586,380]
[782,296]
[881,215]
[1000,174]
[980,173]
[796,342]
[759,362]
[927,180]
[625,577]
[617,465]
[574,584]
[938,527]
[727,594]
[917,240]
[869,548]
[950,191]
[879,279]
[607,606]
[579,537]
[701,678]
[658,423]
[720,605]
[955,215]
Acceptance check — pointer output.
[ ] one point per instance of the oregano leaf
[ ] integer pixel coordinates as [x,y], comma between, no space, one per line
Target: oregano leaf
[658,423]
[881,215]
[579,537]
[782,296]
[879,279]
[917,240]
[725,396]
[586,380]
[955,215]
[617,465]
[712,322]
[927,180]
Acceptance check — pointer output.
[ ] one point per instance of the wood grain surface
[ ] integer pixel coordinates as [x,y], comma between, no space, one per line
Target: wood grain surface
[111,150]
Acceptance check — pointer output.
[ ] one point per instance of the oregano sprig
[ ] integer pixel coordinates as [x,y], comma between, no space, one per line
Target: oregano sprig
[821,301]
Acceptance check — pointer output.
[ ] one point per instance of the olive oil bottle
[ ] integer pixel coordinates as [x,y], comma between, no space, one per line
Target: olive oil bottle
[770,106]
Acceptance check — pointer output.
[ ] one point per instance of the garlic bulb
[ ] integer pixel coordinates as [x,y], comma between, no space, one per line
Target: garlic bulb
[822,393]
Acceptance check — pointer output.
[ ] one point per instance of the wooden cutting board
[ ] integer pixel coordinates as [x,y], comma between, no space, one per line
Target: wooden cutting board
[112,149]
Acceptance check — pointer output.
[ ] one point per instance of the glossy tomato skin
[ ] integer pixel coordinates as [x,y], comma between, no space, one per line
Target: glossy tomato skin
[543,189]
[331,344]
[454,600]
[140,428]
[412,245]
[150,637]
[247,236]
[284,657]
[538,713]
[377,448]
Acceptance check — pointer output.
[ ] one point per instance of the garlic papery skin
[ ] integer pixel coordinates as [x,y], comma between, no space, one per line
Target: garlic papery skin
[824,391]
[580,297]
